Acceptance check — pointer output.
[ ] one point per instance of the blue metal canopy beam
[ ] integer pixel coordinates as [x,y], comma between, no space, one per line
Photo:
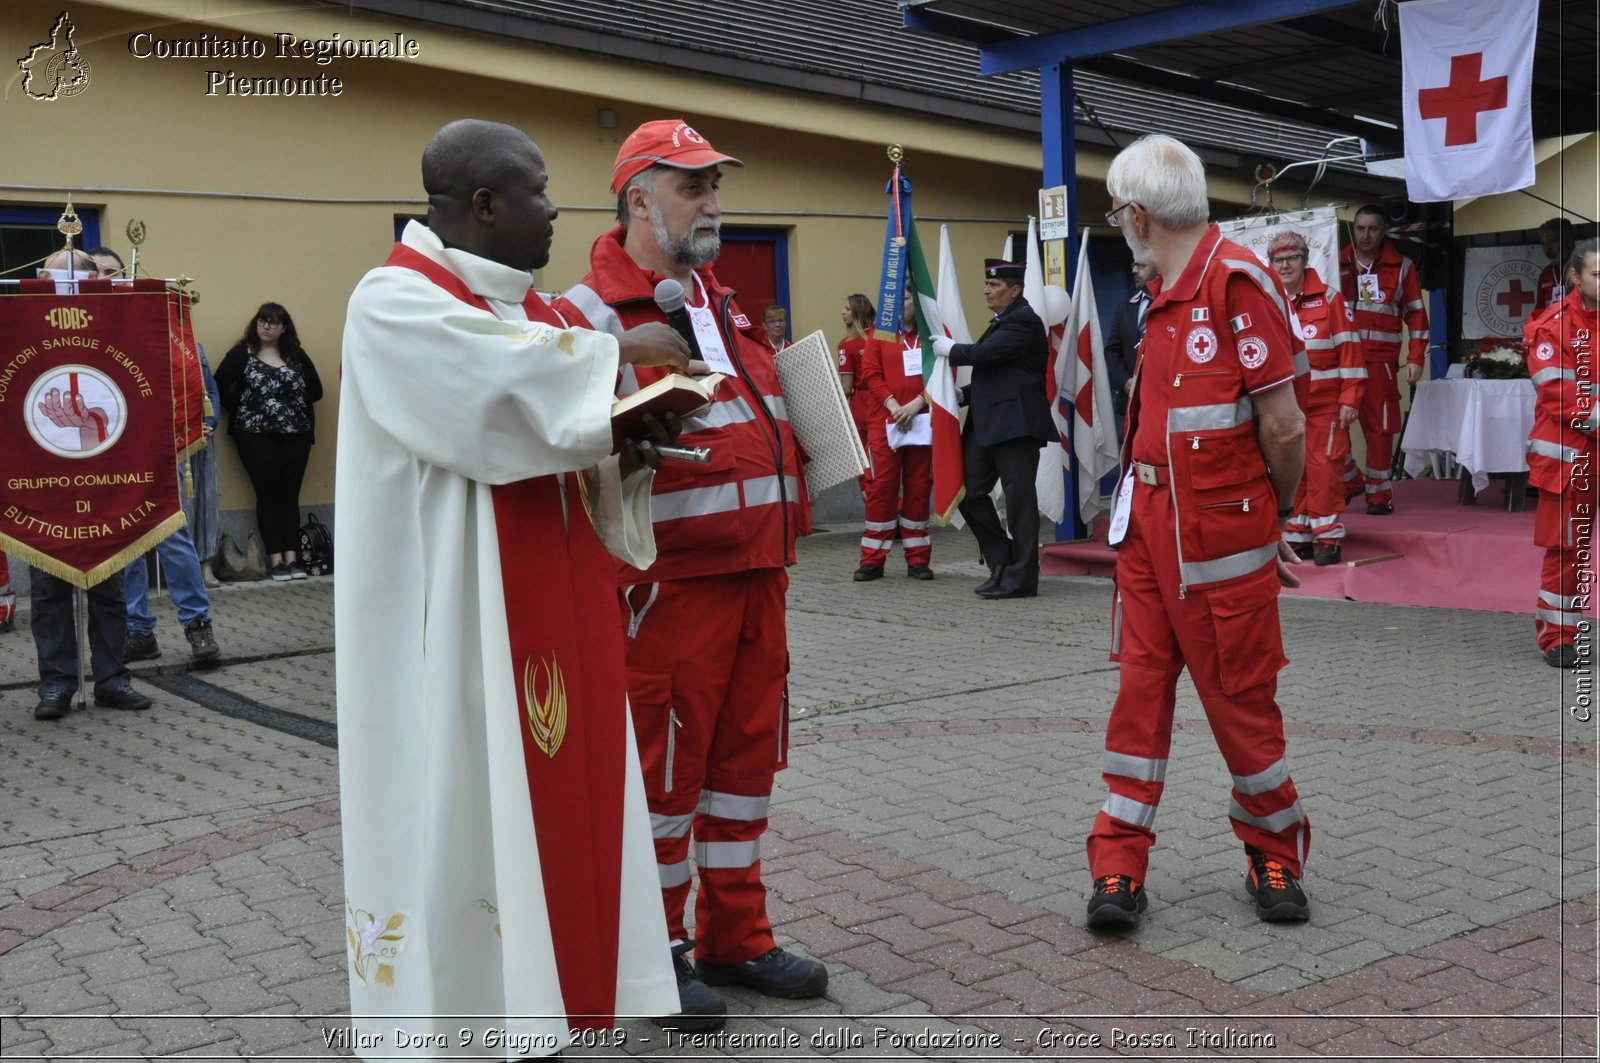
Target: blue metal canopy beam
[1193,19]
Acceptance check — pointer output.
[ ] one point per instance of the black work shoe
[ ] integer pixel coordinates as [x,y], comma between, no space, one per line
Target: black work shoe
[777,974]
[699,1007]
[1562,656]
[124,697]
[1116,902]
[1279,898]
[919,572]
[1301,550]
[1328,555]
[140,647]
[52,706]
[867,573]
[202,644]
[996,574]
[1379,509]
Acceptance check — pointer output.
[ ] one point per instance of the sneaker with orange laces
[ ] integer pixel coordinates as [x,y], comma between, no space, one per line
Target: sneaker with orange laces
[1117,902]
[1278,896]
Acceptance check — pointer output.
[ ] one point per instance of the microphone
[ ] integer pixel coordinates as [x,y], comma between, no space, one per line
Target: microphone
[669,297]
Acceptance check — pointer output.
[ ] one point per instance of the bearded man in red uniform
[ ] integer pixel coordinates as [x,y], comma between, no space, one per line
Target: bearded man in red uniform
[1561,456]
[1380,285]
[708,654]
[1333,401]
[1216,443]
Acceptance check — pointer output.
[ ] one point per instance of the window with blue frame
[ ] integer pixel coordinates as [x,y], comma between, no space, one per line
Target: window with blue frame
[28,234]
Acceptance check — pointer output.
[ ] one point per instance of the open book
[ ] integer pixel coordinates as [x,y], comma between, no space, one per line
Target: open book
[808,372]
[674,393]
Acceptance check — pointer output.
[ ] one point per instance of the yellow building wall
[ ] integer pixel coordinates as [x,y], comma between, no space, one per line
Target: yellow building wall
[1566,182]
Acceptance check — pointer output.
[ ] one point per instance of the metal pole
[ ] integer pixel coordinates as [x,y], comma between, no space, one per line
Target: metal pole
[80,622]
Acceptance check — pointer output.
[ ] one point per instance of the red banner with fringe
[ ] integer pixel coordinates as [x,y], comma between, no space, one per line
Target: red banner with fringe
[87,477]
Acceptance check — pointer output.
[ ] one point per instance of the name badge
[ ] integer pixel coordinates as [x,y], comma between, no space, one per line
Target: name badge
[913,357]
[706,333]
[1121,509]
[1367,284]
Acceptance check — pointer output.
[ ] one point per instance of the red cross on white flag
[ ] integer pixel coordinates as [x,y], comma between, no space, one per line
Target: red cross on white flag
[1467,71]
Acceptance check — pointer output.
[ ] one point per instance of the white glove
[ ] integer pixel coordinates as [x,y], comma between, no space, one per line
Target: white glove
[942,345]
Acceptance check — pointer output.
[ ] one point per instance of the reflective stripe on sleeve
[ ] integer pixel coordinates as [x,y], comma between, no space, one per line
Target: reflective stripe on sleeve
[601,316]
[1143,769]
[1342,373]
[1267,281]
[1547,449]
[1543,376]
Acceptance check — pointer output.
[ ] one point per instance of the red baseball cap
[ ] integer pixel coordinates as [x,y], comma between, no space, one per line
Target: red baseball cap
[665,142]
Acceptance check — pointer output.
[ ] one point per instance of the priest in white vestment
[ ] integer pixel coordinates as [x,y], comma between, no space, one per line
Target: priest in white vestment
[475,462]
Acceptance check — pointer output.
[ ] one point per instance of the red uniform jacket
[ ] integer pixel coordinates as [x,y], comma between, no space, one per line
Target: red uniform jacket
[1333,347]
[1398,298]
[883,374]
[1562,364]
[743,510]
[1218,334]
[851,349]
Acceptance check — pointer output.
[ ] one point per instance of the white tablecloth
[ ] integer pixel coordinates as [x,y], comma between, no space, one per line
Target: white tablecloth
[1484,423]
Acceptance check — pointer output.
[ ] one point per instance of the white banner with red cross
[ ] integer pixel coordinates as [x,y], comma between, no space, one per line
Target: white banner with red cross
[1498,289]
[1466,82]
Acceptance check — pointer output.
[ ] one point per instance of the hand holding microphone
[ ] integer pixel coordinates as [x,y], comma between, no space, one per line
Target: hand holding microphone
[670,298]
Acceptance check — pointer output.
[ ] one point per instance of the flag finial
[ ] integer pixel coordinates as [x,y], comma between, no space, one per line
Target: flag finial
[896,153]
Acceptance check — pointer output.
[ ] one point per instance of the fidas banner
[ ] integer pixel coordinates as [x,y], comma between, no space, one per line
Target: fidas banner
[87,477]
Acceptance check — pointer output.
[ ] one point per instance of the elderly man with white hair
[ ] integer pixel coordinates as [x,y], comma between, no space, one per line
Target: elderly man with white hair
[1216,444]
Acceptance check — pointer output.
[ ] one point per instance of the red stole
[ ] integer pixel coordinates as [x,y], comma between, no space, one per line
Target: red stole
[567,660]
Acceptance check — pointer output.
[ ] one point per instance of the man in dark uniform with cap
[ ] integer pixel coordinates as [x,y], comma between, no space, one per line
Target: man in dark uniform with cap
[1007,422]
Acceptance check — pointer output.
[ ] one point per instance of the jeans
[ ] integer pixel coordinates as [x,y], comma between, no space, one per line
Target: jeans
[184,580]
[56,639]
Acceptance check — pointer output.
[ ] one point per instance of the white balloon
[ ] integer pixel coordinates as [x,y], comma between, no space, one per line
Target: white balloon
[1057,304]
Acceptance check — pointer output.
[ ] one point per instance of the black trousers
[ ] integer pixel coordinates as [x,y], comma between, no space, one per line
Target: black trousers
[1014,463]
[276,464]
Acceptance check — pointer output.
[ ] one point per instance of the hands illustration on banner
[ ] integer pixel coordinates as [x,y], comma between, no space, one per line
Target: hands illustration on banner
[75,413]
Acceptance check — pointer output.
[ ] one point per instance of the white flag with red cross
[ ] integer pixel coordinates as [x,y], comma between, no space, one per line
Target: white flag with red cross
[1467,75]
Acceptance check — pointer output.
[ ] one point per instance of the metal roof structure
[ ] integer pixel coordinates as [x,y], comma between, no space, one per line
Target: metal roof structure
[861,50]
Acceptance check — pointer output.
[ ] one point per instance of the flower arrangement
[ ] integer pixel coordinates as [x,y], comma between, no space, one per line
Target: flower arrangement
[1498,359]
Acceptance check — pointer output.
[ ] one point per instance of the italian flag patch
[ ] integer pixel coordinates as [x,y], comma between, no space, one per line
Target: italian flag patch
[1200,313]
[1240,323]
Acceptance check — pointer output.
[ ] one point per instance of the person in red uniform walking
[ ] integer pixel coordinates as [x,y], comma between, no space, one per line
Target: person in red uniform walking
[1338,378]
[1561,455]
[901,489]
[708,654]
[1380,286]
[1216,442]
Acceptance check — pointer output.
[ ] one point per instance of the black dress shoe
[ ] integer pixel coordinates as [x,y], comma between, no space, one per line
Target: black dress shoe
[1328,554]
[1562,656]
[867,573]
[52,706]
[919,572]
[124,697]
[777,974]
[1379,509]
[996,574]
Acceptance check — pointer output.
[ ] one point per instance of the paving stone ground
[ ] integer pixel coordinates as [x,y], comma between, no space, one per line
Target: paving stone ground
[170,881]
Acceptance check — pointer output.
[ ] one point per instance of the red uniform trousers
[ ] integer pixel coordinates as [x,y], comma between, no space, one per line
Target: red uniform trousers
[1320,498]
[1380,423]
[708,663]
[1564,526]
[1228,637]
[901,491]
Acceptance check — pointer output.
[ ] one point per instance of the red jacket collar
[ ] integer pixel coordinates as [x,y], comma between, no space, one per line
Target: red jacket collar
[1311,288]
[1388,255]
[617,278]
[1187,285]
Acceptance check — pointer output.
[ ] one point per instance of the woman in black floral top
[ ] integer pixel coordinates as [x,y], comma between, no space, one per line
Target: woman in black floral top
[268,385]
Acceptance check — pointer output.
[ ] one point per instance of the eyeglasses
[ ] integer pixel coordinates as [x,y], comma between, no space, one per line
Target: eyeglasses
[1111,215]
[1287,260]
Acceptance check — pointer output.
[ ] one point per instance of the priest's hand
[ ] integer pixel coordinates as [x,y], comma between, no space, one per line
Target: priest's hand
[637,453]
[653,343]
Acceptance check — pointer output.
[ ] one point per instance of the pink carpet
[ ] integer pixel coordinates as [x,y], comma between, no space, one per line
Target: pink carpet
[1452,556]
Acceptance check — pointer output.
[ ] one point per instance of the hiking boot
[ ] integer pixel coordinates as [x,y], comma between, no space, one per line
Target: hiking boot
[140,646]
[1328,554]
[1278,896]
[868,572]
[777,974]
[699,1008]
[123,697]
[202,645]
[919,572]
[1562,656]
[1301,550]
[1116,903]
